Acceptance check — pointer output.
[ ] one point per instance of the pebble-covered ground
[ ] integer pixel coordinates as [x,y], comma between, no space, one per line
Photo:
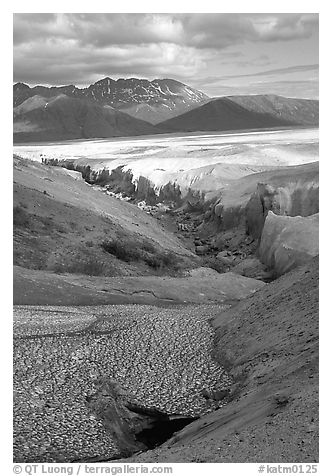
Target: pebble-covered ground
[160,356]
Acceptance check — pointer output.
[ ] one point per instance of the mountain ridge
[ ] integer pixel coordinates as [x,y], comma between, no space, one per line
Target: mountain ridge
[164,98]
[64,118]
[246,112]
[109,108]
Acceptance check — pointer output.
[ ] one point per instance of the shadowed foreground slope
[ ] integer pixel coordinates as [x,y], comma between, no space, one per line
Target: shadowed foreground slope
[63,225]
[270,343]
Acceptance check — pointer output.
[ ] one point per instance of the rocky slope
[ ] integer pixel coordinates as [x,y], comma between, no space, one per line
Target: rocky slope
[63,227]
[270,345]
[288,242]
[61,224]
[243,112]
[40,119]
[152,101]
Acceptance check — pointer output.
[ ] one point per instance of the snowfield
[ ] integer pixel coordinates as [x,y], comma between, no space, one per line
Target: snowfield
[188,157]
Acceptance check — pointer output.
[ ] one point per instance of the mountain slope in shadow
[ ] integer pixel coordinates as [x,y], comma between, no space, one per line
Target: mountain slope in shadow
[63,118]
[246,112]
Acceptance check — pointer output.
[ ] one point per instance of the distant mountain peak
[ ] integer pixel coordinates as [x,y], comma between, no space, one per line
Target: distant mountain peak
[21,86]
[151,101]
[106,80]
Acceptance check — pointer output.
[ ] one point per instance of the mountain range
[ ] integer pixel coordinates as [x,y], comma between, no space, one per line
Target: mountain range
[152,101]
[129,107]
[63,118]
[246,112]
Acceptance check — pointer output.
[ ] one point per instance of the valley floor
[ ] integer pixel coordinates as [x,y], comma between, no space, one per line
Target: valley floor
[169,157]
[63,356]
[162,358]
[74,334]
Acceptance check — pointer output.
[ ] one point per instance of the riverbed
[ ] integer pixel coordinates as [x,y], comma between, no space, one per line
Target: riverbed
[160,357]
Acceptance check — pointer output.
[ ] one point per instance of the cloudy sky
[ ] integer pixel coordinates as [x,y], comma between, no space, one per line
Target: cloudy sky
[219,54]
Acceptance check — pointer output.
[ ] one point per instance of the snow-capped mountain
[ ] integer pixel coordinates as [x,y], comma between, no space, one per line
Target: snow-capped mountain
[153,101]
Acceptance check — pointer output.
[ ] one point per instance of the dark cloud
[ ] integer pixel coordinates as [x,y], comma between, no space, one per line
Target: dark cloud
[44,63]
[286,27]
[221,30]
[199,30]
[80,48]
[99,29]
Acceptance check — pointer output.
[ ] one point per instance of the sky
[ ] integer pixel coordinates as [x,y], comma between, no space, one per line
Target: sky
[217,53]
